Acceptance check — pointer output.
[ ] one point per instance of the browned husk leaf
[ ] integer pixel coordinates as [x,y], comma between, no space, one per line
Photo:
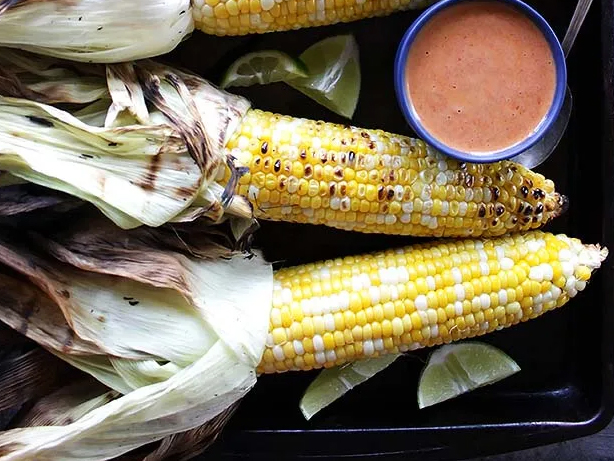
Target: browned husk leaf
[25,198]
[188,123]
[29,375]
[146,255]
[11,86]
[43,312]
[27,308]
[45,79]
[35,274]
[55,408]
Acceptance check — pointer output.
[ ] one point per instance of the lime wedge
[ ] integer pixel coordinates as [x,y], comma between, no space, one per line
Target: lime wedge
[334,74]
[263,67]
[455,369]
[332,383]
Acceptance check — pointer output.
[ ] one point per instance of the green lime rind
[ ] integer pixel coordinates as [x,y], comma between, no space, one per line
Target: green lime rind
[263,67]
[327,72]
[334,74]
[333,383]
[455,369]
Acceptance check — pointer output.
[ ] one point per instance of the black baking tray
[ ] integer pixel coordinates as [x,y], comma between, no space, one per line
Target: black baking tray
[565,389]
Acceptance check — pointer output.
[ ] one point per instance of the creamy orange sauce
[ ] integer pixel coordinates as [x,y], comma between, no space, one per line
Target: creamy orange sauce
[481,76]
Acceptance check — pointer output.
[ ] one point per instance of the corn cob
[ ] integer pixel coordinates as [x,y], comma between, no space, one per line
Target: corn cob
[371,181]
[240,17]
[333,312]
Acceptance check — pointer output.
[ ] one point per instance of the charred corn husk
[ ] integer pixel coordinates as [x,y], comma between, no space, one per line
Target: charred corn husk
[95,30]
[241,17]
[371,181]
[337,311]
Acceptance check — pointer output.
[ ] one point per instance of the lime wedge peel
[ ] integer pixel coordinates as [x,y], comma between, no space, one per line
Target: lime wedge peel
[455,369]
[263,67]
[450,371]
[334,74]
[333,383]
[327,72]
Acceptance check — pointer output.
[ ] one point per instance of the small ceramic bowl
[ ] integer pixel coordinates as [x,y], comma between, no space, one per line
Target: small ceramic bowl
[412,118]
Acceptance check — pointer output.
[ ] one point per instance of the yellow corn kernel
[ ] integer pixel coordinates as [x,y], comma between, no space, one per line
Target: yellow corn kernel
[308,328]
[329,341]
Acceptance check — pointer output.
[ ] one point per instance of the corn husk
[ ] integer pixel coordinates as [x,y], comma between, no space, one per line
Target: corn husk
[143,142]
[28,373]
[103,293]
[66,404]
[95,30]
[135,175]
[20,198]
[73,401]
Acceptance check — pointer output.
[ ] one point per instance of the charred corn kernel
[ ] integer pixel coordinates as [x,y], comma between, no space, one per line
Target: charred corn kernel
[350,317]
[401,187]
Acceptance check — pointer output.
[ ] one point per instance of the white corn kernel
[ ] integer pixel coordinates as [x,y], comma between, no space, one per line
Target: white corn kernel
[318,343]
[367,347]
[421,303]
[298,347]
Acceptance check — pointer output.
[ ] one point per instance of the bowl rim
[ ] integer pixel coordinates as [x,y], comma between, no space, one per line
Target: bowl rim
[412,118]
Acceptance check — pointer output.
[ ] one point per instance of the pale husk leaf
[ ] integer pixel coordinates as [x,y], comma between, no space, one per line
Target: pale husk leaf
[186,400]
[99,367]
[95,30]
[139,373]
[127,95]
[185,445]
[137,174]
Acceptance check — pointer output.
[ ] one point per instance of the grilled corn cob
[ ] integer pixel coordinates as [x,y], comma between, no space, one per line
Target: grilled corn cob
[304,171]
[240,17]
[333,312]
[371,181]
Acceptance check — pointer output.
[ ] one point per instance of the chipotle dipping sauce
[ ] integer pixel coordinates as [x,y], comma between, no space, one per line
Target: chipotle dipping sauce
[480,76]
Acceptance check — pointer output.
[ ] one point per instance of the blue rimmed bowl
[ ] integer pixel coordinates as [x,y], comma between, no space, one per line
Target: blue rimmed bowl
[404,98]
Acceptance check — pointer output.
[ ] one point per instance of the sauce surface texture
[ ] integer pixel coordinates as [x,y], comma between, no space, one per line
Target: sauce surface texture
[481,76]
